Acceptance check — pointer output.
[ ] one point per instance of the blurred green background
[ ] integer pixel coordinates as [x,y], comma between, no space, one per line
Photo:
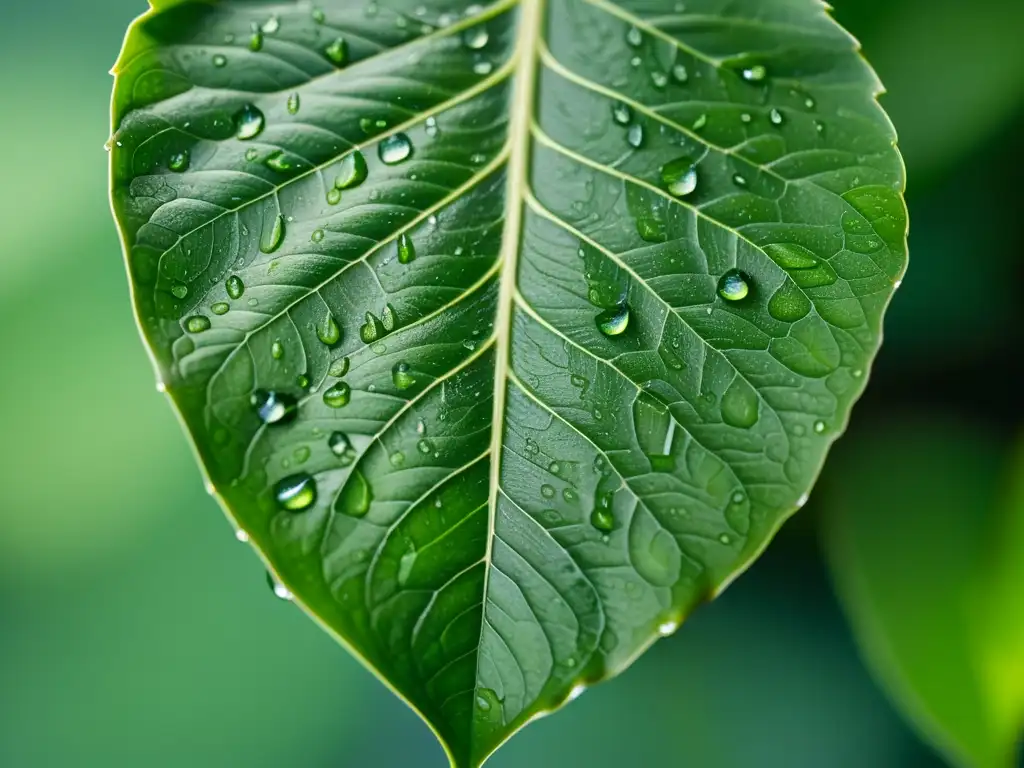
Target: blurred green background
[134,629]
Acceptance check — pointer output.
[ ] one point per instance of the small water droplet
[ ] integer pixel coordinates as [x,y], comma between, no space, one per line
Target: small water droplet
[397,459]
[273,407]
[819,427]
[328,331]
[317,235]
[621,113]
[667,628]
[395,149]
[547,491]
[338,396]
[319,16]
[402,376]
[659,79]
[755,73]
[235,287]
[352,171]
[634,37]
[179,161]
[248,122]
[277,350]
[273,235]
[406,250]
[278,161]
[256,39]
[220,60]
[337,51]
[356,496]
[220,308]
[302,381]
[635,135]
[613,322]
[775,117]
[725,538]
[389,318]
[197,324]
[281,592]
[179,290]
[294,102]
[739,180]
[700,122]
[339,367]
[734,285]
[296,493]
[339,444]
[242,535]
[679,177]
[372,330]
[791,256]
[272,25]
[483,67]
[679,73]
[802,500]
[475,38]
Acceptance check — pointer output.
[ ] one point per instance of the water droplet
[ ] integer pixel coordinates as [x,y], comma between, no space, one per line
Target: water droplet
[220,60]
[659,79]
[296,493]
[272,25]
[395,149]
[302,381]
[755,73]
[256,39]
[273,236]
[791,256]
[809,102]
[372,330]
[252,154]
[425,447]
[248,122]
[294,102]
[339,367]
[613,322]
[277,350]
[242,536]
[302,454]
[547,491]
[857,373]
[197,324]
[746,117]
[235,287]
[273,407]
[406,250]
[397,459]
[356,496]
[319,16]
[802,500]
[819,427]
[281,592]
[339,444]
[389,318]
[667,628]
[278,161]
[634,37]
[220,308]
[179,161]
[352,171]
[317,235]
[733,285]
[402,376]
[475,38]
[621,113]
[680,74]
[328,331]
[775,116]
[333,196]
[635,135]
[179,290]
[602,519]
[679,177]
[739,181]
[337,51]
[700,122]
[740,405]
[338,396]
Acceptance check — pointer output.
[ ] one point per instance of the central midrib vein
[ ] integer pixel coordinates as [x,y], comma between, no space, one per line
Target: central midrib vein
[522,105]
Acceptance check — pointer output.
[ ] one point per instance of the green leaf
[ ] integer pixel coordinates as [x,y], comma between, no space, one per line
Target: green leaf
[928,565]
[506,334]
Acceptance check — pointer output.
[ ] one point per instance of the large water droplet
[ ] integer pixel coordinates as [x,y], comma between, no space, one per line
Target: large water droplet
[256,39]
[328,331]
[277,350]
[296,493]
[613,322]
[372,330]
[338,396]
[278,161]
[235,287]
[248,122]
[179,290]
[356,496]
[734,285]
[220,308]
[294,102]
[402,376]
[337,51]
[273,407]
[635,135]
[179,161]
[339,367]
[789,304]
[389,318]
[395,149]
[602,518]
[679,176]
[406,249]
[273,235]
[740,405]
[352,171]
[197,324]
[791,256]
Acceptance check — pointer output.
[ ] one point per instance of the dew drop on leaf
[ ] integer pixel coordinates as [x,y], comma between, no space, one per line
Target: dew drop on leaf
[296,493]
[220,60]
[734,285]
[281,592]
[220,308]
[328,331]
[406,249]
[679,176]
[475,38]
[621,113]
[273,235]
[613,322]
[179,161]
[273,407]
[372,329]
[352,171]
[338,396]
[293,104]
[339,367]
[356,496]
[635,135]
[337,51]
[339,444]
[197,324]
[402,376]
[395,149]
[775,117]
[235,287]
[179,290]
[755,73]
[249,122]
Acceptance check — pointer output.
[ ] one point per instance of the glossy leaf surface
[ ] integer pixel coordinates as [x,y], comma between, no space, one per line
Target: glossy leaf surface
[507,334]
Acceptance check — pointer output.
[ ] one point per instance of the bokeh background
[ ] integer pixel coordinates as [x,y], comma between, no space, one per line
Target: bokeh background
[134,629]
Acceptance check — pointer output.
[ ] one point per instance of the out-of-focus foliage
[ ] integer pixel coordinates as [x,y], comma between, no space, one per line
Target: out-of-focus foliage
[132,624]
[926,551]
